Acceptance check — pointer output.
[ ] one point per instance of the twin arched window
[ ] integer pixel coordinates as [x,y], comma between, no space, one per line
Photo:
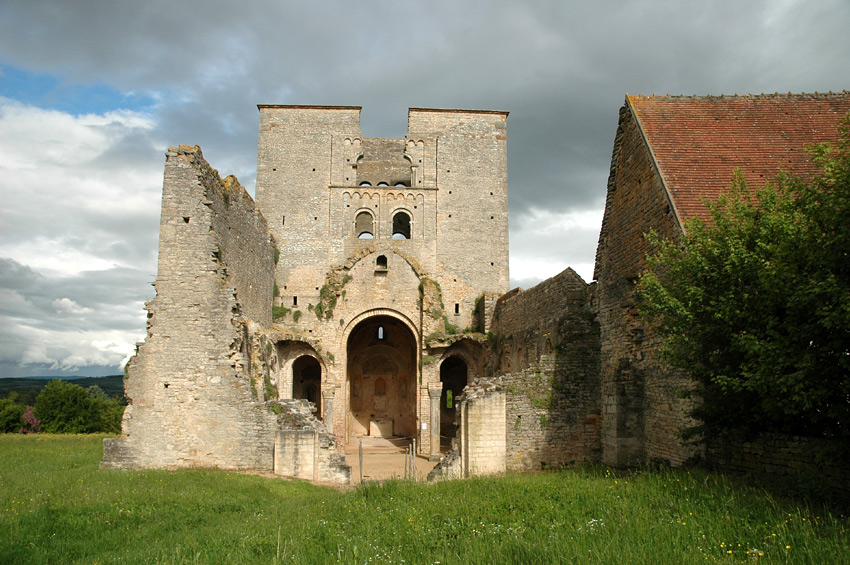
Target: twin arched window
[364,225]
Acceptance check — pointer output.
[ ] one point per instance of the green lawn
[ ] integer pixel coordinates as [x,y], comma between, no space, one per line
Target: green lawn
[57,506]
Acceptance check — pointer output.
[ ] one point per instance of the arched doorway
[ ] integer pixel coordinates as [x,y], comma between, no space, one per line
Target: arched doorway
[382,378]
[453,375]
[307,381]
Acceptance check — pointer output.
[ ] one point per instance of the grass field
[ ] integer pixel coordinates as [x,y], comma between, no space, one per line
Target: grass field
[57,506]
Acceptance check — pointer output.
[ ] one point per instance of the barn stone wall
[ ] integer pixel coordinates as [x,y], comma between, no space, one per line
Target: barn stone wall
[642,409]
[807,464]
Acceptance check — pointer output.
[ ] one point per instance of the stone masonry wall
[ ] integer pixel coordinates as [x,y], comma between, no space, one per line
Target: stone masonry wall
[469,168]
[192,400]
[790,458]
[482,431]
[546,359]
[643,412]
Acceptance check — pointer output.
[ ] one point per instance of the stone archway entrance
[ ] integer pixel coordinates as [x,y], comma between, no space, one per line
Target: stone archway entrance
[307,381]
[454,376]
[381,376]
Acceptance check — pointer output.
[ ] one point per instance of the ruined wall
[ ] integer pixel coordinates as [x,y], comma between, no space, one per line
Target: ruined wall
[807,463]
[643,412]
[545,357]
[483,444]
[192,400]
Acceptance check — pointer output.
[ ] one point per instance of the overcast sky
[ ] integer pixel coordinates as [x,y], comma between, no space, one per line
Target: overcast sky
[93,93]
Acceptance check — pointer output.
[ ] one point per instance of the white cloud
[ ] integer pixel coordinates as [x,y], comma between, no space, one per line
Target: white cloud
[545,242]
[68,306]
[62,190]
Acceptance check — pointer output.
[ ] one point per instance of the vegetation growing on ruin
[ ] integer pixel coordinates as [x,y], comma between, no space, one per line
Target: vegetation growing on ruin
[329,293]
[279,312]
[57,506]
[537,387]
[755,305]
[270,388]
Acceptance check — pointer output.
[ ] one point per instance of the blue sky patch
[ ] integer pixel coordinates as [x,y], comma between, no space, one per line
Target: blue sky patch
[59,93]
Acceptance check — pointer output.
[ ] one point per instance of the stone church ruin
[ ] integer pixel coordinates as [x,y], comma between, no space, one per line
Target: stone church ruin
[365,293]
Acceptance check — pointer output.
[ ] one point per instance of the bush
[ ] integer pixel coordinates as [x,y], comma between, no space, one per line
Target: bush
[11,415]
[68,408]
[755,305]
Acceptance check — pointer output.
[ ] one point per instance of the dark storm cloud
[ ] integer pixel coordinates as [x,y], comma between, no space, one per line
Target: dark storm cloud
[561,69]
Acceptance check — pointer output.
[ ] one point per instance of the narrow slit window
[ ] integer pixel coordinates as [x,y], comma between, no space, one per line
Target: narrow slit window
[380,332]
[295,301]
[457,308]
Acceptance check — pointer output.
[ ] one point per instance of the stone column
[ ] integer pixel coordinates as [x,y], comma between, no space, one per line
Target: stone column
[435,390]
[328,393]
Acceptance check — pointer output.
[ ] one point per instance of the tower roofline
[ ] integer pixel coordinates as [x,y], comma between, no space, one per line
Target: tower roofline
[307,107]
[458,111]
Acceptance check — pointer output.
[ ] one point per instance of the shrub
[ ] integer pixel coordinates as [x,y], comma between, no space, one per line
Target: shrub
[63,407]
[11,415]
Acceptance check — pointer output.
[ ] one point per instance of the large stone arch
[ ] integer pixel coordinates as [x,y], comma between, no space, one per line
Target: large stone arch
[381,366]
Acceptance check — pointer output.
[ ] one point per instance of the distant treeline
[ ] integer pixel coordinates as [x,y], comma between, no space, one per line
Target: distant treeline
[84,405]
[27,388]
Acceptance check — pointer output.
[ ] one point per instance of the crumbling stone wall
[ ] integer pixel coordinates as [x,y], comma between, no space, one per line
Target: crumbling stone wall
[191,385]
[808,462]
[643,412]
[545,356]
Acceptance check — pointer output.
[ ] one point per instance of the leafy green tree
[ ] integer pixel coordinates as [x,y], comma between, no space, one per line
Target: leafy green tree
[11,415]
[64,407]
[755,304]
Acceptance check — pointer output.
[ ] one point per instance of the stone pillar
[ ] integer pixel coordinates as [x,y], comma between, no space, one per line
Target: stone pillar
[328,393]
[435,390]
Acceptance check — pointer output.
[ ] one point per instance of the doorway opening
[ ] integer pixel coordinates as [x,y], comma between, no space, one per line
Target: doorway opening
[307,381]
[381,379]
[453,375]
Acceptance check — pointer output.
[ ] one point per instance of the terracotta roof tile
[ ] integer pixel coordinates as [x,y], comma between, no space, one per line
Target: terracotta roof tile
[698,142]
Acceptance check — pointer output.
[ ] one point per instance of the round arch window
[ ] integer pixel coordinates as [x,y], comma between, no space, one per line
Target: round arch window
[401,225]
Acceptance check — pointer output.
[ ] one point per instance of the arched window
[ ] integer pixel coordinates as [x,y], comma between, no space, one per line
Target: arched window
[381,263]
[363,226]
[401,226]
[365,183]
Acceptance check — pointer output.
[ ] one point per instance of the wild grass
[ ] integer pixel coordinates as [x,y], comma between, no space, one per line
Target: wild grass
[57,506]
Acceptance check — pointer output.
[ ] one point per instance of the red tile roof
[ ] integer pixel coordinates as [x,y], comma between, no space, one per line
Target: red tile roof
[699,141]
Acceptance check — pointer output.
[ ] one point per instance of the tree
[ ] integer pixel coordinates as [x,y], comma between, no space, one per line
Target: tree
[64,407]
[11,415]
[755,304]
